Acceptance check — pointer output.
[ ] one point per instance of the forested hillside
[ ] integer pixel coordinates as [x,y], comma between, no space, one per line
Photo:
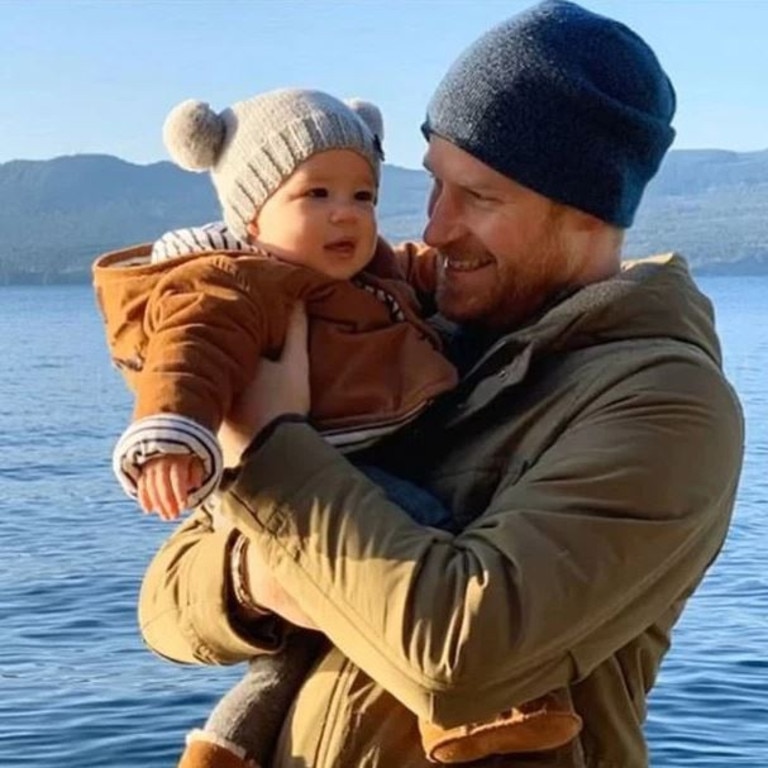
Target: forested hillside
[57,215]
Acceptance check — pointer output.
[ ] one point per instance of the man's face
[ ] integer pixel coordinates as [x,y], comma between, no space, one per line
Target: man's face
[503,246]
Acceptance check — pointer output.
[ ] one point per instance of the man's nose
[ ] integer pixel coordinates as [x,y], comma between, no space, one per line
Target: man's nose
[444,225]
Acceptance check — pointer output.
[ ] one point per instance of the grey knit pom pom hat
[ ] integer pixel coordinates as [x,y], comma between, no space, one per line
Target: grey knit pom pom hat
[252,147]
[569,103]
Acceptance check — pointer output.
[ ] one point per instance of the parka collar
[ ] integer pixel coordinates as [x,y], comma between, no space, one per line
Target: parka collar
[650,298]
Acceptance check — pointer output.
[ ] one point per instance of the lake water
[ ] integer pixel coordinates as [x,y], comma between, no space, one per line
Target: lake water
[78,689]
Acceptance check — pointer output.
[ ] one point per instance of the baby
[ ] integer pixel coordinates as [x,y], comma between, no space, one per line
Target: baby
[297,175]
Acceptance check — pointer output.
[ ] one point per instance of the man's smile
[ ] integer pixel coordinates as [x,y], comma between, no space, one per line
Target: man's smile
[464,265]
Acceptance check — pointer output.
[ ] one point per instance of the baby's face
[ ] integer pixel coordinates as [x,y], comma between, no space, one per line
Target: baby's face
[323,216]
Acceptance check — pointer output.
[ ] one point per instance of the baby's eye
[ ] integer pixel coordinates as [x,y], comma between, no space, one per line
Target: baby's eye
[365,196]
[317,192]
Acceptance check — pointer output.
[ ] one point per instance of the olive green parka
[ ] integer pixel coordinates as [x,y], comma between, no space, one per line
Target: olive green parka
[591,458]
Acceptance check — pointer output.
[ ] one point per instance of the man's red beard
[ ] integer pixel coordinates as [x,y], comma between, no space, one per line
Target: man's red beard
[513,292]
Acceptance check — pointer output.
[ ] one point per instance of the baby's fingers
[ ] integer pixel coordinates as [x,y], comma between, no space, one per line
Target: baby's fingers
[166,482]
[195,475]
[155,481]
[150,477]
[179,485]
[168,504]
[143,495]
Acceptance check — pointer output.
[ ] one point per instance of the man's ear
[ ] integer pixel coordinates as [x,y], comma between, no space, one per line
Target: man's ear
[253,232]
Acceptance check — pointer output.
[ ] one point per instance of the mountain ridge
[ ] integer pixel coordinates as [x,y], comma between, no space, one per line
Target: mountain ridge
[57,215]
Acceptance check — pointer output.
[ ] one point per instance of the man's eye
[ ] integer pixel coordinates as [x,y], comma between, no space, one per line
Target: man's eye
[317,192]
[365,196]
[480,197]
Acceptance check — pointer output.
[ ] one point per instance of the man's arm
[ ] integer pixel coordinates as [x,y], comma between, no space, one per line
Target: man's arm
[615,522]
[187,607]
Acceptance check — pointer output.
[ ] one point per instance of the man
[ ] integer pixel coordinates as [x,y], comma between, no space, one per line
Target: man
[590,454]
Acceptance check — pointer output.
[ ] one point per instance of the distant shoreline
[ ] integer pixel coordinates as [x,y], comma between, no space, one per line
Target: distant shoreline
[735,269]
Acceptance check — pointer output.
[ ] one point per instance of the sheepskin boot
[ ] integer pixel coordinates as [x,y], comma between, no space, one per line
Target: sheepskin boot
[205,750]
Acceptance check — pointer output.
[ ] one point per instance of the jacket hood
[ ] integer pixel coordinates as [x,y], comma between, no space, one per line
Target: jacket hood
[650,298]
[653,298]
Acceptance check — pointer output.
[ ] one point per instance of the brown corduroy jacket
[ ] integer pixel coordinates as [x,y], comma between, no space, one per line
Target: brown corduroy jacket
[187,334]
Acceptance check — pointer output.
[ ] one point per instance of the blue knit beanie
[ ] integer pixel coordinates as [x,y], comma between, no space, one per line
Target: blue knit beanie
[566,102]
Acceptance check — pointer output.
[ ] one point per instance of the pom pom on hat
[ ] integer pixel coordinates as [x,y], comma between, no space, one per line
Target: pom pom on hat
[193,135]
[370,114]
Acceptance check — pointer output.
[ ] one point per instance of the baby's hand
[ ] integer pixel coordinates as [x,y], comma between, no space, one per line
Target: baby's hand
[166,482]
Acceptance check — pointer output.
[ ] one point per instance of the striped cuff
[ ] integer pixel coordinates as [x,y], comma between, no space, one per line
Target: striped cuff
[163,435]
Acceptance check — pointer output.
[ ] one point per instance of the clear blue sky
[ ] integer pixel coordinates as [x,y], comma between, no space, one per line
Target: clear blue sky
[100,75]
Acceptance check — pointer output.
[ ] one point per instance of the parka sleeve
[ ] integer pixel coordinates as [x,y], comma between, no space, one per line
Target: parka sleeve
[572,559]
[185,604]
